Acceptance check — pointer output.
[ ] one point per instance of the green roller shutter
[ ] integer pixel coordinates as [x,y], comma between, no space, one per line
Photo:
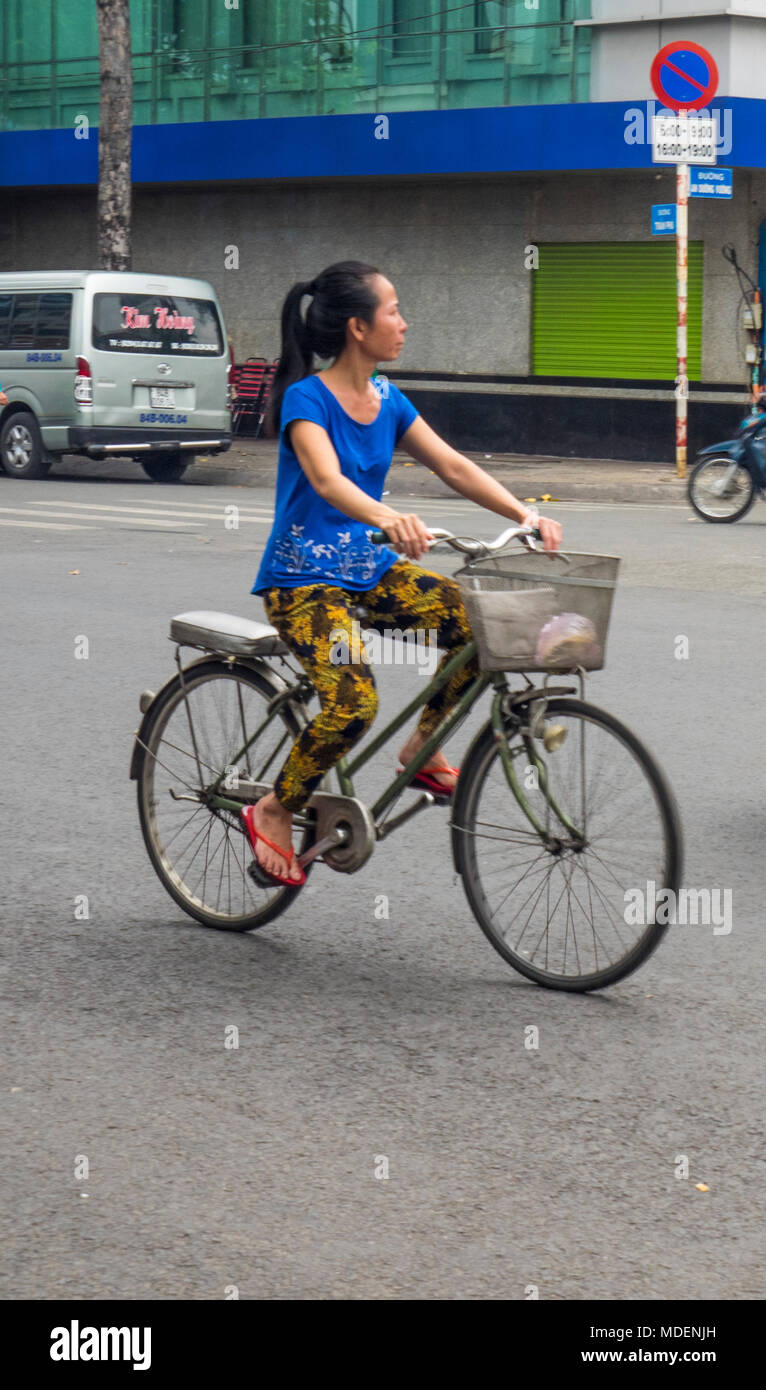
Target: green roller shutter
[609,310]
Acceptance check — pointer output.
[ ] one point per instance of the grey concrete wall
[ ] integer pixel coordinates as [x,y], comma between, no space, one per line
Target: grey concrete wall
[623,10]
[622,52]
[455,251]
[622,56]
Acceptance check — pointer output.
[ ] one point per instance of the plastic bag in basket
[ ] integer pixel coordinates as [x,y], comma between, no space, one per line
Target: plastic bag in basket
[569,639]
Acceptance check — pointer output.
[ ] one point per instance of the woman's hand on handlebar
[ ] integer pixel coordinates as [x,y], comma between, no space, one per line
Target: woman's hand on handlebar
[408,533]
[550,530]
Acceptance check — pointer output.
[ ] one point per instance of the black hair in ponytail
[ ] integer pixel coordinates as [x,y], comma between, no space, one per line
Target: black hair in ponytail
[342,292]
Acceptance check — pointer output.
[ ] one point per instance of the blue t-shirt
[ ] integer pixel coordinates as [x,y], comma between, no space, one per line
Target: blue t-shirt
[311,542]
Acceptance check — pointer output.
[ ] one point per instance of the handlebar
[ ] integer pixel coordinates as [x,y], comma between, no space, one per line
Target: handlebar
[469,545]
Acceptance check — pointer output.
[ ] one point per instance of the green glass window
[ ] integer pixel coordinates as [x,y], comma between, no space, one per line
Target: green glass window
[201,60]
[188,21]
[489,17]
[409,24]
[609,310]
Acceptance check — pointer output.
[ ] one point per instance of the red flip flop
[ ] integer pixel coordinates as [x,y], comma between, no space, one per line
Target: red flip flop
[265,876]
[422,779]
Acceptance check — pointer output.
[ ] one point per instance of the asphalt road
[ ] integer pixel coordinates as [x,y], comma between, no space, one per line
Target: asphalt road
[359,1038]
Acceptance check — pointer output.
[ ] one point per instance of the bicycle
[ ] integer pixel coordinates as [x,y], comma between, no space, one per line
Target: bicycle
[547,833]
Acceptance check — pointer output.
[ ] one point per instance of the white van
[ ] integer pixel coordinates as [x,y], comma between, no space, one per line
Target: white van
[105,363]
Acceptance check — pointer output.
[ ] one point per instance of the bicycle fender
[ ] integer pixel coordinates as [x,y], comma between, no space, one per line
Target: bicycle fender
[487,732]
[278,683]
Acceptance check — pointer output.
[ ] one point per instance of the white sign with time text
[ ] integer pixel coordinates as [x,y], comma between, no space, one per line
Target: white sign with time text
[684,139]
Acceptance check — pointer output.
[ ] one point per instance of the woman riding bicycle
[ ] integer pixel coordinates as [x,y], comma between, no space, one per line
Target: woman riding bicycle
[337,431]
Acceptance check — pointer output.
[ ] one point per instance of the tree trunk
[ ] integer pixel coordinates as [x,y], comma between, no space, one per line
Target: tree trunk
[114,135]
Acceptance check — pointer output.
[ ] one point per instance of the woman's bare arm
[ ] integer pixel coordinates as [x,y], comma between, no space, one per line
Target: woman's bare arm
[471,481]
[319,461]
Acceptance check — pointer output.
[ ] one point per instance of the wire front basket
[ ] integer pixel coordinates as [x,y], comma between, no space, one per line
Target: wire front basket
[539,610]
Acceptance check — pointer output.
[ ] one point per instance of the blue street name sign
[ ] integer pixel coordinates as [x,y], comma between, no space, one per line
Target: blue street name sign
[663,217]
[711,183]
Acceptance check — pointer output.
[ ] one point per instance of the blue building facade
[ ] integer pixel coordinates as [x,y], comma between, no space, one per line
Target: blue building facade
[492,157]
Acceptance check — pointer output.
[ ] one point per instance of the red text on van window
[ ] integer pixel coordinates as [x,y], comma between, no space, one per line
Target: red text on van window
[133,319]
[178,322]
[164,318]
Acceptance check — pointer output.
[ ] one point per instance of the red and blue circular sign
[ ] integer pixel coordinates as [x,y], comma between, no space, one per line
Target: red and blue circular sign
[684,76]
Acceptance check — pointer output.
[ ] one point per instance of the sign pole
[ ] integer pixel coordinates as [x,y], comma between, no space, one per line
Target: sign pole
[682,296]
[679,72]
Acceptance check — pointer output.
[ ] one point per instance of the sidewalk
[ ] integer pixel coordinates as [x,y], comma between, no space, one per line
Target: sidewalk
[253,463]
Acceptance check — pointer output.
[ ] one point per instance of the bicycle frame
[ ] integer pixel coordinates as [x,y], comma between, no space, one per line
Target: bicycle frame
[345,768]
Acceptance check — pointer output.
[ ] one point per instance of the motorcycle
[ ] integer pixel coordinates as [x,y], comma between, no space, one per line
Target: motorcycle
[727,477]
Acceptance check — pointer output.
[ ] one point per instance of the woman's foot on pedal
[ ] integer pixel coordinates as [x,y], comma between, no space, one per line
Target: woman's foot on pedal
[268,818]
[447,779]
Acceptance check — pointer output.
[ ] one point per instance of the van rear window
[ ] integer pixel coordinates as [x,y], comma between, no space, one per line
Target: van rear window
[35,320]
[156,323]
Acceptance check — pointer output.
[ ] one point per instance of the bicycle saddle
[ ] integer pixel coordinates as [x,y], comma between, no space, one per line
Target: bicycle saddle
[224,632]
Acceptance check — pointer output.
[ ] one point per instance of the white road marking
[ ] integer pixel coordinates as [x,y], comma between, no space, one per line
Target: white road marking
[77,516]
[49,525]
[207,514]
[256,507]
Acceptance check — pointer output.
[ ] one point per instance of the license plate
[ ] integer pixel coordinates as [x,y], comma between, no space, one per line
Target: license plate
[161,395]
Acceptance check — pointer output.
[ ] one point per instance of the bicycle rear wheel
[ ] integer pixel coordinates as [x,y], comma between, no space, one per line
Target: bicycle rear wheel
[201,853]
[562,912]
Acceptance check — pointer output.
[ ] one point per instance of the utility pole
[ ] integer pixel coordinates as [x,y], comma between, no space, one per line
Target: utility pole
[115,128]
[682,301]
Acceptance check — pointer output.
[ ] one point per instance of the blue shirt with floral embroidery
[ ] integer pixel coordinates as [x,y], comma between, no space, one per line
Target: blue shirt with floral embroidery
[311,542]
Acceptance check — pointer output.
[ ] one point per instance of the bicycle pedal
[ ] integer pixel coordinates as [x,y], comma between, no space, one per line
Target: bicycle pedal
[258,876]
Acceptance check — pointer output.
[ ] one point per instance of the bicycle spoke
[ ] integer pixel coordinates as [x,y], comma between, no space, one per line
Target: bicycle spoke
[203,853]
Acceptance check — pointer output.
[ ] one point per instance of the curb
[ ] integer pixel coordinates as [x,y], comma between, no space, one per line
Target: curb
[564,480]
[417,482]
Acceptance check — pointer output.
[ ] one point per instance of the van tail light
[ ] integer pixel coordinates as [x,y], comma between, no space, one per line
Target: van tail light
[230,386]
[83,383]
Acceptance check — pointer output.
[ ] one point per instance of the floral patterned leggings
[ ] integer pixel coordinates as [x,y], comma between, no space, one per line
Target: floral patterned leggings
[407,596]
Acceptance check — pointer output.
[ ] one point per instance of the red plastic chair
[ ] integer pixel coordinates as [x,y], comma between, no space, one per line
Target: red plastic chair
[249,383]
[268,382]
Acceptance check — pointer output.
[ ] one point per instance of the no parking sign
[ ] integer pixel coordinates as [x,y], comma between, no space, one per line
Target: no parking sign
[684,76]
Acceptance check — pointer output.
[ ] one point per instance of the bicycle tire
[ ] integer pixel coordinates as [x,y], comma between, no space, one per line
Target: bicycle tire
[272,903]
[476,768]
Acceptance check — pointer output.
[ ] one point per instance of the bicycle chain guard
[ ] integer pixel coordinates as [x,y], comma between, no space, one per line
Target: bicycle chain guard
[331,810]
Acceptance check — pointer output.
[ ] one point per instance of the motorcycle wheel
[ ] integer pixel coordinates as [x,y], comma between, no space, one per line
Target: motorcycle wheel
[717,497]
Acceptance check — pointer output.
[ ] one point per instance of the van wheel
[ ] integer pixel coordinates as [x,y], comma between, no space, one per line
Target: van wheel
[21,447]
[165,468]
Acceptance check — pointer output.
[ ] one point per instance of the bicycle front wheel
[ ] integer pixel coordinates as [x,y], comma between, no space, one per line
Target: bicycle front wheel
[572,908]
[201,853]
